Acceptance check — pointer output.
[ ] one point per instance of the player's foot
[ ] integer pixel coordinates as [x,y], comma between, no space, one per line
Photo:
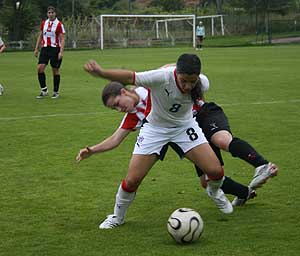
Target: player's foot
[241,201]
[218,196]
[111,221]
[55,95]
[42,95]
[262,174]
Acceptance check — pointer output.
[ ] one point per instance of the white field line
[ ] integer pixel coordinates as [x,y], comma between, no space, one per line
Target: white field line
[97,113]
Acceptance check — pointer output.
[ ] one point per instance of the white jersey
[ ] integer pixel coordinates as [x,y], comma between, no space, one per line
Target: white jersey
[1,42]
[170,107]
[50,32]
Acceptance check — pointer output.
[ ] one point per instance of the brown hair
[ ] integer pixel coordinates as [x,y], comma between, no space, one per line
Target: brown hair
[111,89]
[197,92]
[51,8]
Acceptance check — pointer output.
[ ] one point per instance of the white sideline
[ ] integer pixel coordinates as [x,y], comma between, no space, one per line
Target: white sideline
[97,113]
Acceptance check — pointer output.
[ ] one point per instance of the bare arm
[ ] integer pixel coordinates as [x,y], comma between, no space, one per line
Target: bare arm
[168,65]
[121,75]
[62,45]
[38,41]
[108,144]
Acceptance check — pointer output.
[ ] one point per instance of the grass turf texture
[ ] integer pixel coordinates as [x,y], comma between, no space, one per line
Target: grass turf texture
[52,206]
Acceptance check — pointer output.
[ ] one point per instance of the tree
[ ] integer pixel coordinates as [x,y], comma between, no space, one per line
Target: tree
[168,5]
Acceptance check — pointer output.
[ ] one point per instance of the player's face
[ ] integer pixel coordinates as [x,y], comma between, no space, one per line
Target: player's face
[51,15]
[187,82]
[122,103]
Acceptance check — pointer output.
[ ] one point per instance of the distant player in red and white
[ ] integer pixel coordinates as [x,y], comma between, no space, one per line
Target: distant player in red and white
[52,41]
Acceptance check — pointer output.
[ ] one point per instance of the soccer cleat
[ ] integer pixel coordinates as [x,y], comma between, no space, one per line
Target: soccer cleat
[111,221]
[218,196]
[241,201]
[55,95]
[262,174]
[42,95]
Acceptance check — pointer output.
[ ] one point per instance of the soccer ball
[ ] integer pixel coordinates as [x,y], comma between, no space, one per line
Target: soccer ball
[185,225]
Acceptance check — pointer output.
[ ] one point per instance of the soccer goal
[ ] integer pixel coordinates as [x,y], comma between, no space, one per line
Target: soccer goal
[125,31]
[216,23]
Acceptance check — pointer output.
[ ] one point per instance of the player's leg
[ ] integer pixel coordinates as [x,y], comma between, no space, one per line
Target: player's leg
[138,168]
[193,144]
[42,63]
[215,125]
[204,157]
[55,64]
[229,186]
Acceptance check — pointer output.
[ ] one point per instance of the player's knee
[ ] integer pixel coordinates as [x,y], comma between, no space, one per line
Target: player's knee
[215,173]
[222,140]
[129,184]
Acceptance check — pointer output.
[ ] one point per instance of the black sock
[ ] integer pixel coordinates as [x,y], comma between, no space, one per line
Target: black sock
[42,81]
[241,149]
[56,81]
[234,188]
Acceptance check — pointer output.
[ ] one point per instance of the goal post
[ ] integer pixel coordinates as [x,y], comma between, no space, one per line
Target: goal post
[213,23]
[124,31]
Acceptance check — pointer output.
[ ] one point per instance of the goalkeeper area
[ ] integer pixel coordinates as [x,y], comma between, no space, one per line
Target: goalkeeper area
[129,31]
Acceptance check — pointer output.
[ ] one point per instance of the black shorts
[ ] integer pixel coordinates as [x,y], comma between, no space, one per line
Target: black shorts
[211,118]
[200,38]
[50,53]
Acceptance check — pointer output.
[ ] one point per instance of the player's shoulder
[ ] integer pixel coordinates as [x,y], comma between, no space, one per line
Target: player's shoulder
[142,92]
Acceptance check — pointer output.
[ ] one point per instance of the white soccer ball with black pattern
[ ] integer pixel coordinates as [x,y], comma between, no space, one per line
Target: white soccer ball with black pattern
[185,225]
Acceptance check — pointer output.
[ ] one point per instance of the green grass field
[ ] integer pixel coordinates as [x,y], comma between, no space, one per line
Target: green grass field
[52,206]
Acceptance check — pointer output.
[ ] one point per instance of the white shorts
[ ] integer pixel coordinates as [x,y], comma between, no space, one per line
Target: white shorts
[155,140]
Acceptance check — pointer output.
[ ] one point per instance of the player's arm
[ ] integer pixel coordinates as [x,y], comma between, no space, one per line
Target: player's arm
[62,45]
[168,65]
[108,144]
[38,41]
[121,75]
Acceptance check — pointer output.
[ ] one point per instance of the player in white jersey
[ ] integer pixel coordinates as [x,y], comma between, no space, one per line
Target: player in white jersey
[52,41]
[174,124]
[136,103]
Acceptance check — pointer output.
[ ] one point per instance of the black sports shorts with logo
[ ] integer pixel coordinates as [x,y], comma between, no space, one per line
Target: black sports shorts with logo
[50,53]
[211,118]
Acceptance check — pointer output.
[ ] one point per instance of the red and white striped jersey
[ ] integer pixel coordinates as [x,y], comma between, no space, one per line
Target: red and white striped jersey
[51,31]
[134,119]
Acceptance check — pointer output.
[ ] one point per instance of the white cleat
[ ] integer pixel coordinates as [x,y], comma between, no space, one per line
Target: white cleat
[220,200]
[111,221]
[241,201]
[262,174]
[42,95]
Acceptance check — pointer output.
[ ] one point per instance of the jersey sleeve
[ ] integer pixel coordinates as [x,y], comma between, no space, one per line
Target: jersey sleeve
[204,83]
[42,25]
[60,28]
[150,78]
[130,122]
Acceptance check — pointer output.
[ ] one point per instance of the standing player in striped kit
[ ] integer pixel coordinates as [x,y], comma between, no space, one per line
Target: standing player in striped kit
[52,41]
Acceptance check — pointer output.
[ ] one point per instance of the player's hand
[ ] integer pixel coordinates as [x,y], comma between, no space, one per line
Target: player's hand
[93,68]
[84,153]
[60,55]
[36,52]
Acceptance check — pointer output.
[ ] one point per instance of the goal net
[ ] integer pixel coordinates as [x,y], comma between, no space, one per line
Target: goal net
[125,31]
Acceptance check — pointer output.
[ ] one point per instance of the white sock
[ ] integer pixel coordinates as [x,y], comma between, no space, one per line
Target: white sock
[123,201]
[214,185]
